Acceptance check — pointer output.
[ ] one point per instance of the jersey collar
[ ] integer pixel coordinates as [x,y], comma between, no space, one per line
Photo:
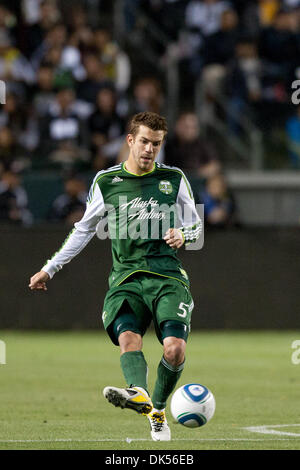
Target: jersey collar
[139,176]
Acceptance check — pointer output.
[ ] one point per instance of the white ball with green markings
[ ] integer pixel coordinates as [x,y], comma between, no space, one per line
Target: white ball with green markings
[193,405]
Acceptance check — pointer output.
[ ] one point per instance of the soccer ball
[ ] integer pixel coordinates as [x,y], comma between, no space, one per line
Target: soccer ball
[193,405]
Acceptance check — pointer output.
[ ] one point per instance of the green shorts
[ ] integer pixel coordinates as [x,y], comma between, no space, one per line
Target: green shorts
[149,297]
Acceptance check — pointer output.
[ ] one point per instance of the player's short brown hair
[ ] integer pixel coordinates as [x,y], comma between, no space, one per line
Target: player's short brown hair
[149,119]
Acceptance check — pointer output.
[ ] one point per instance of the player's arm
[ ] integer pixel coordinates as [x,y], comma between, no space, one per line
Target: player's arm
[79,237]
[190,224]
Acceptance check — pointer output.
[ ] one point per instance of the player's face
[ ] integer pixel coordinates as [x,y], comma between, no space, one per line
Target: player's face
[144,148]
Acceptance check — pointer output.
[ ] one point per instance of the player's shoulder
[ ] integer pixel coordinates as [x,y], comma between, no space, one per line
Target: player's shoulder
[174,169]
[181,177]
[108,171]
[99,176]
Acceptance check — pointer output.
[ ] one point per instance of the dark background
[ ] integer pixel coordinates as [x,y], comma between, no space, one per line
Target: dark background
[241,278]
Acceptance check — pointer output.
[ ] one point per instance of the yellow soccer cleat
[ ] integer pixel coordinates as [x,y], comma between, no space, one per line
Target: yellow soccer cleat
[160,430]
[134,398]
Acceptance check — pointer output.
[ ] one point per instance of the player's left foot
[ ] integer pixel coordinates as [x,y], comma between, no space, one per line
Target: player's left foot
[160,430]
[134,398]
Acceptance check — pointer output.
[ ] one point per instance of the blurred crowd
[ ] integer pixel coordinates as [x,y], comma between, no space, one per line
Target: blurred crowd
[71,87]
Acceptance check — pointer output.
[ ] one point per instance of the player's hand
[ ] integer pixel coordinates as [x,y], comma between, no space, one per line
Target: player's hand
[174,238]
[38,281]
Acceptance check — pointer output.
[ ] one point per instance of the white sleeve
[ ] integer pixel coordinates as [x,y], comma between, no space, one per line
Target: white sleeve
[82,233]
[189,221]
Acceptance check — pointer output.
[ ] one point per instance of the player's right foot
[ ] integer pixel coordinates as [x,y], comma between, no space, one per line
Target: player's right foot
[134,398]
[160,430]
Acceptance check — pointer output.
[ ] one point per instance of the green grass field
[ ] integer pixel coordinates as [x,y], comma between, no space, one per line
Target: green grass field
[51,392]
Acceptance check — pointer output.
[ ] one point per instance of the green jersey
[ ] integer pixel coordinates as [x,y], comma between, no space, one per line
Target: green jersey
[135,212]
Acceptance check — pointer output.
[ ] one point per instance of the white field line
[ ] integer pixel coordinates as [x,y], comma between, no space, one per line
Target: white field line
[263,429]
[269,429]
[129,440]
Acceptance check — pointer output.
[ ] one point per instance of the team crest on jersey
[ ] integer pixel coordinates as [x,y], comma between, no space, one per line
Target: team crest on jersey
[165,187]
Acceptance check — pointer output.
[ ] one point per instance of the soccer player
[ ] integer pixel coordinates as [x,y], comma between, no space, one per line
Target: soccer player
[150,211]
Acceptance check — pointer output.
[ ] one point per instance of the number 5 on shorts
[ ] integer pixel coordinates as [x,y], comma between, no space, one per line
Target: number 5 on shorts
[184,309]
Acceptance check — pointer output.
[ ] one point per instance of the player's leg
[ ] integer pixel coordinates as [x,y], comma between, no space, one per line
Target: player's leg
[172,323]
[169,369]
[174,336]
[132,360]
[126,329]
[133,364]
[168,373]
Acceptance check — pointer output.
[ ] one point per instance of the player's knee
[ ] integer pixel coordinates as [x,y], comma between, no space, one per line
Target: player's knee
[130,341]
[174,350]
